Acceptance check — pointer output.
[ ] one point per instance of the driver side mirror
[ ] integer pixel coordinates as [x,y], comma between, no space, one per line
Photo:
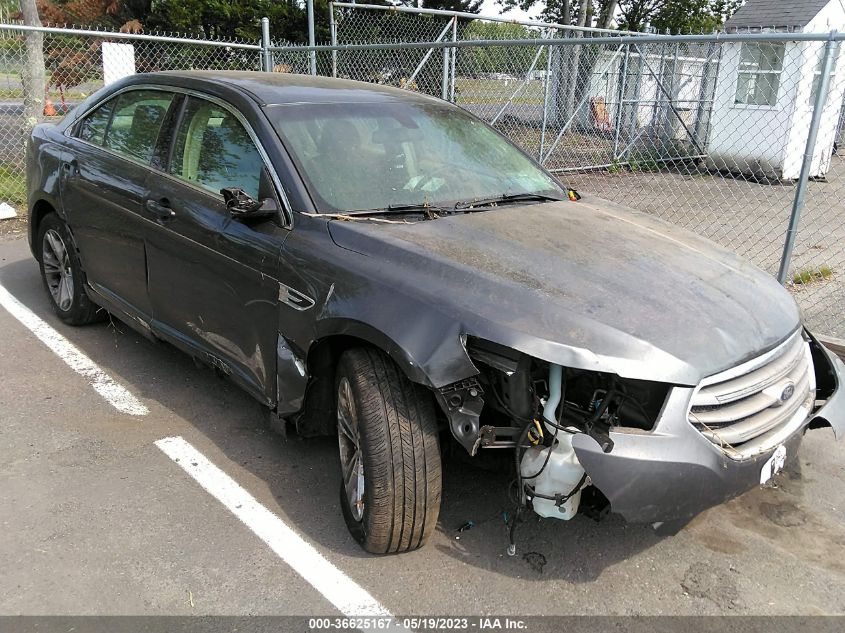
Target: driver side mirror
[242,206]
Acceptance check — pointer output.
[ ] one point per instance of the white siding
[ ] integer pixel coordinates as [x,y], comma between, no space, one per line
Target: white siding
[770,141]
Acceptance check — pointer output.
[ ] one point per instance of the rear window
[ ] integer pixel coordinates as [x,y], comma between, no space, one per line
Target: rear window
[93,126]
[135,122]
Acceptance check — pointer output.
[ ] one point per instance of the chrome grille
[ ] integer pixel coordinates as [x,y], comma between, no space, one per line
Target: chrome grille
[754,407]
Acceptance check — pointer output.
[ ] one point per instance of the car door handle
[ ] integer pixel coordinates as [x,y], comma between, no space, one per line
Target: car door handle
[161,210]
[69,167]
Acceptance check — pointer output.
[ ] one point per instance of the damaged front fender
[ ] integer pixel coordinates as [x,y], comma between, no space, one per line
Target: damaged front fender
[830,374]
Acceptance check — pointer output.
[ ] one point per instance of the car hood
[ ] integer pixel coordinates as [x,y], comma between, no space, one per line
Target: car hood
[587,284]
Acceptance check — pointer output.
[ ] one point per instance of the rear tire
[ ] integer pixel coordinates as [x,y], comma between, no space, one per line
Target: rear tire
[62,273]
[390,496]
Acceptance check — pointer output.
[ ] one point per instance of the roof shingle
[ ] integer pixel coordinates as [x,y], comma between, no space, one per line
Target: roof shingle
[776,13]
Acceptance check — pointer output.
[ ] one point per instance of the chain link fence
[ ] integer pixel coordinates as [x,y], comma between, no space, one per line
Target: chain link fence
[709,133]
[77,63]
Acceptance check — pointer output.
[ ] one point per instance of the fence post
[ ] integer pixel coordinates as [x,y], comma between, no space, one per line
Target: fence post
[312,41]
[635,99]
[621,91]
[454,58]
[444,84]
[549,52]
[333,35]
[707,94]
[266,53]
[809,151]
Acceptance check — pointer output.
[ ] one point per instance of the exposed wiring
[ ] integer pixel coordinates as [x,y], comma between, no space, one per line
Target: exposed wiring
[505,407]
[520,490]
[560,499]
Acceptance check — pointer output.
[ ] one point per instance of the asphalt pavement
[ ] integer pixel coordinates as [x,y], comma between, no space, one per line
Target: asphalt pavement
[97,518]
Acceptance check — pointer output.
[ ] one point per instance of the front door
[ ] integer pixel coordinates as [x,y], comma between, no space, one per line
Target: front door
[104,187]
[213,280]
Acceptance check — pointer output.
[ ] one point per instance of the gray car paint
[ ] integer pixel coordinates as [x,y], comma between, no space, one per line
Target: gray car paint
[674,472]
[584,284]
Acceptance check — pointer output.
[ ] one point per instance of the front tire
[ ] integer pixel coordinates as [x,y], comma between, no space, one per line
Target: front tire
[390,456]
[62,273]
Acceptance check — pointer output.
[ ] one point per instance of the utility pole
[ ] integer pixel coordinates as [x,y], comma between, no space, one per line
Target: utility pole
[33,73]
[312,54]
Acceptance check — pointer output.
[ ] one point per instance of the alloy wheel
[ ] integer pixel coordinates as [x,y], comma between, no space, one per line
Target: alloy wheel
[57,269]
[349,442]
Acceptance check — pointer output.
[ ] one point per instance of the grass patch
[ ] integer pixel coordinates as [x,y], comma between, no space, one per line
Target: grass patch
[497,91]
[12,185]
[806,276]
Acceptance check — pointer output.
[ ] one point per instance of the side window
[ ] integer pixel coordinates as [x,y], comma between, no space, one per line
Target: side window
[93,126]
[136,121]
[760,67]
[213,150]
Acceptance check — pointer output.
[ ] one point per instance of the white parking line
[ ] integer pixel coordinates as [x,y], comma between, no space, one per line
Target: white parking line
[344,593]
[116,395]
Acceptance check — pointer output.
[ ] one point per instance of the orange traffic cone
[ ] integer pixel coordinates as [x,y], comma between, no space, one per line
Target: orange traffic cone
[49,108]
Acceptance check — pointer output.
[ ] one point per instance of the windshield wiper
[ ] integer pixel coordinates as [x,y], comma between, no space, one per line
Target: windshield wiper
[429,209]
[426,208]
[508,197]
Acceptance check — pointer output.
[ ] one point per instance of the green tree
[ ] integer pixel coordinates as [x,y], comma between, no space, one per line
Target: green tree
[676,16]
[634,15]
[496,59]
[239,18]
[465,6]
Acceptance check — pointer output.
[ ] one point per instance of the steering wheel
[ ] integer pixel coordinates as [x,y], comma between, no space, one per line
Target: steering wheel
[444,168]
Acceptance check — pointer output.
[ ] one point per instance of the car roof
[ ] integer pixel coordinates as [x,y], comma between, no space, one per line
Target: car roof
[288,88]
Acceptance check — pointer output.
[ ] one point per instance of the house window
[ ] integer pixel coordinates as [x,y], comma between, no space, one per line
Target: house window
[760,66]
[817,75]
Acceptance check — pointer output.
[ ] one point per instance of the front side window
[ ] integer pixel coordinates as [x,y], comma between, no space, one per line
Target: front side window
[135,123]
[212,149]
[760,66]
[360,156]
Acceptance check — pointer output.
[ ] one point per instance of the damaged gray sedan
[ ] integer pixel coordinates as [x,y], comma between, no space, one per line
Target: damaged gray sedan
[380,265]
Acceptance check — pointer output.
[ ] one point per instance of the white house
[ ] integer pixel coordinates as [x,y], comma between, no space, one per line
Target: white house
[764,93]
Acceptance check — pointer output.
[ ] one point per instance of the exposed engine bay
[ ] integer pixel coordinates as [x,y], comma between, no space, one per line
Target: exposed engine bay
[536,408]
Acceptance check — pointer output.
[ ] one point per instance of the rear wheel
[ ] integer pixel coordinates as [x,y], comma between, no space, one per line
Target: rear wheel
[389,454]
[62,274]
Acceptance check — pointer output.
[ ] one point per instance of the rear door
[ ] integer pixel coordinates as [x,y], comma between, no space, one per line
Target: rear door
[104,189]
[213,280]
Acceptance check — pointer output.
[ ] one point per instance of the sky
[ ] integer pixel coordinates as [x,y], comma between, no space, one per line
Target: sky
[491,8]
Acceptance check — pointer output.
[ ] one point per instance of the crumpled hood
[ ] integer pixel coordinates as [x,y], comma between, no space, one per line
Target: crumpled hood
[587,284]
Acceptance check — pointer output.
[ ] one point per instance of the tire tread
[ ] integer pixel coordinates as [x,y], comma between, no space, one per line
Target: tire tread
[402,456]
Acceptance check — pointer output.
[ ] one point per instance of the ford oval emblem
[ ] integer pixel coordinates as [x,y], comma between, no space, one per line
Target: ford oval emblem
[787,392]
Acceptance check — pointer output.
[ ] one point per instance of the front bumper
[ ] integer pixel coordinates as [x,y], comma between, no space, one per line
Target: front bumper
[673,473]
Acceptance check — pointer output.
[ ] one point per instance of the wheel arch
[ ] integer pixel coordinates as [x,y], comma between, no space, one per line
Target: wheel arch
[41,208]
[340,334]
[316,414]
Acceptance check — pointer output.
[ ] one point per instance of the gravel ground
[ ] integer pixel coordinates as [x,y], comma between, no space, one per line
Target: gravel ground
[13,228]
[96,520]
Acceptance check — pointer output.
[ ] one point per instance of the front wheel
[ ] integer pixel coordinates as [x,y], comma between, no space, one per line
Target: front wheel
[62,273]
[389,454]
